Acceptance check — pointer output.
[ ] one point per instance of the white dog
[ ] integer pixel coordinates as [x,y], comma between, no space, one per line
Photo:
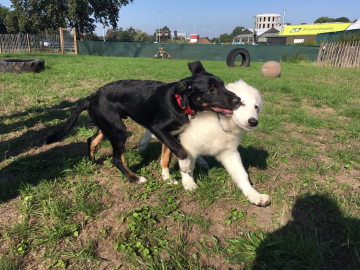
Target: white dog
[219,136]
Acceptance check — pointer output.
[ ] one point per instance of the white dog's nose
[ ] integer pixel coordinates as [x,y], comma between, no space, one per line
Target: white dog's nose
[253,122]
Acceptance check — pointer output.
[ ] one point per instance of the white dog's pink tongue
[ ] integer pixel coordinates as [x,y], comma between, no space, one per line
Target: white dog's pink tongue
[221,110]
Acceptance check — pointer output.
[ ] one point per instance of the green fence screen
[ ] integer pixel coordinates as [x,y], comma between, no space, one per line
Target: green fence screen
[334,36]
[202,52]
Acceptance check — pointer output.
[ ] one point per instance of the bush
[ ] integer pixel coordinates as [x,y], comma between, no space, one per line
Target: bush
[295,58]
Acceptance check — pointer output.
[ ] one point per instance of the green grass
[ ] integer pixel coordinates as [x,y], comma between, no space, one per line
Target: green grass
[58,211]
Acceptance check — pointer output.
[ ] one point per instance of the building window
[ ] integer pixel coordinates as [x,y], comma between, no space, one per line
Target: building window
[260,19]
[273,18]
[264,25]
[268,25]
[268,19]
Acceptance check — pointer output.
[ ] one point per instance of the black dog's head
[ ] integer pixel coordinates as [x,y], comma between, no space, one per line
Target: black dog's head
[204,91]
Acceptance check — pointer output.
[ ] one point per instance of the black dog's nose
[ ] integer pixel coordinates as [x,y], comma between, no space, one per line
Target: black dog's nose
[253,122]
[236,100]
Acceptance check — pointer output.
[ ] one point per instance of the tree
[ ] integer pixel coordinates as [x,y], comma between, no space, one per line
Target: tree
[342,19]
[237,31]
[324,20]
[164,29]
[141,36]
[111,34]
[49,15]
[225,38]
[124,36]
[91,37]
[36,16]
[327,19]
[132,33]
[3,12]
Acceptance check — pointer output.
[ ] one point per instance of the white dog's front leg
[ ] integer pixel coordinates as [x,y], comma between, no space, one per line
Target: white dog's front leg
[233,164]
[186,168]
[144,143]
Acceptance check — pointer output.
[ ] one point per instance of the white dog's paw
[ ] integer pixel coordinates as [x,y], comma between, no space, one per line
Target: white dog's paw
[142,147]
[190,185]
[166,177]
[260,200]
[169,180]
[141,180]
[185,165]
[202,163]
[188,182]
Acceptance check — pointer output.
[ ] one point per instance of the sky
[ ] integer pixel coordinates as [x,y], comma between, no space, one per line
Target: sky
[210,18]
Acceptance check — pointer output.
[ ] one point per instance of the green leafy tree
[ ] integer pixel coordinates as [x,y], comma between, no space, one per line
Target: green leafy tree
[3,12]
[91,36]
[36,16]
[111,34]
[163,38]
[49,15]
[132,33]
[237,31]
[225,38]
[141,36]
[324,20]
[327,19]
[124,36]
[342,19]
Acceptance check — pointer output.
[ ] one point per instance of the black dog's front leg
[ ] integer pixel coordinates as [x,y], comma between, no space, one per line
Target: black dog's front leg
[177,149]
[171,143]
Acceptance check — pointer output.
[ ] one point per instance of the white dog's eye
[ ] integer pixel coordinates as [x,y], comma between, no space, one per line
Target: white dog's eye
[256,107]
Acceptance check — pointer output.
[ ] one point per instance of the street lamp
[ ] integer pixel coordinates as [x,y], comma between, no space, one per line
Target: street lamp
[182,27]
[215,36]
[104,32]
[159,25]
[194,30]
[203,33]
[254,28]
[209,34]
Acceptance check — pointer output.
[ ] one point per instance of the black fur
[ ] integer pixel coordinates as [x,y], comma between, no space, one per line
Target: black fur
[151,104]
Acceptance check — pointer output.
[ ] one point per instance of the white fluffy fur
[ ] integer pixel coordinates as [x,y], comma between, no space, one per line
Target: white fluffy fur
[206,135]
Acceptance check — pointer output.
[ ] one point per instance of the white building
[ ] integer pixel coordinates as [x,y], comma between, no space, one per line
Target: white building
[267,21]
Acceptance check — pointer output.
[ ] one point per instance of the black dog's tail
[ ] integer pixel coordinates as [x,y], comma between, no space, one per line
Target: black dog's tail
[57,135]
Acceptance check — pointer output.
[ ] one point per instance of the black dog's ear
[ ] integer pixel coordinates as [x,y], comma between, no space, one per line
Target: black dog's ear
[184,88]
[196,67]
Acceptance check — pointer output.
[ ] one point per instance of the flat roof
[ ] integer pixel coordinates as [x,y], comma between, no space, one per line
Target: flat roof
[269,14]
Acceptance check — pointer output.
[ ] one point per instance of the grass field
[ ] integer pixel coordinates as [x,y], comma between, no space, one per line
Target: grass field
[58,211]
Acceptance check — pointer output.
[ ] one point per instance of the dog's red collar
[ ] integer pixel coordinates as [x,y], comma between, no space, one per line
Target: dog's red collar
[186,109]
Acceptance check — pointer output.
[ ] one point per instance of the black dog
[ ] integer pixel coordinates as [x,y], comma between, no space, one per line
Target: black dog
[162,108]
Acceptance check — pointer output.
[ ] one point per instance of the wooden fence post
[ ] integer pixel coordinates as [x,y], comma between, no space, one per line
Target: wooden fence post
[61,41]
[75,44]
[28,40]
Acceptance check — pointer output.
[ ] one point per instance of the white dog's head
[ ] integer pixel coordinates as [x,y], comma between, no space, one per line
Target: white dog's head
[246,116]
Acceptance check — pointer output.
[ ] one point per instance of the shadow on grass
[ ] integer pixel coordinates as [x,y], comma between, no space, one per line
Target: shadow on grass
[32,137]
[319,236]
[45,166]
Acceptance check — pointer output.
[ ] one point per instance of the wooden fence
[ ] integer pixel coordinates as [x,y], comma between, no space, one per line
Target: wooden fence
[344,55]
[61,42]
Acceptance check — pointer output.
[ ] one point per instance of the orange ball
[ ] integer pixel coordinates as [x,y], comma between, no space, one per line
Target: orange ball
[271,69]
